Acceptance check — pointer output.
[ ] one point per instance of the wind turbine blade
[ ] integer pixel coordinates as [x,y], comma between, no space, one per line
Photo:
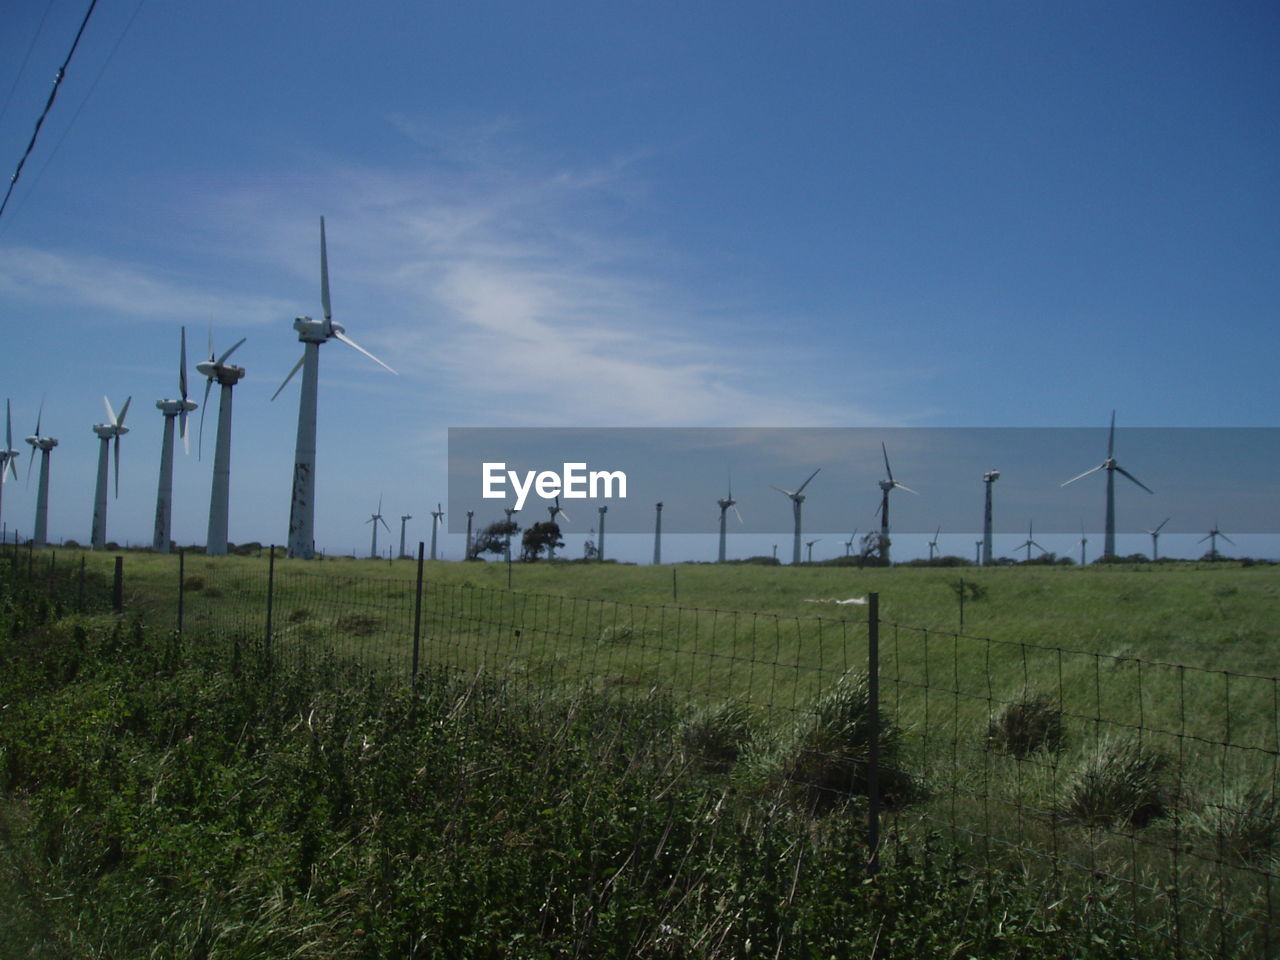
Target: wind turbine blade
[351,343]
[111,414]
[384,524]
[222,359]
[561,513]
[286,379]
[39,416]
[1111,437]
[8,426]
[1228,539]
[887,469]
[124,411]
[182,366]
[901,487]
[324,274]
[737,514]
[204,406]
[1083,475]
[186,438]
[780,490]
[806,483]
[1204,538]
[210,339]
[1120,469]
[1162,523]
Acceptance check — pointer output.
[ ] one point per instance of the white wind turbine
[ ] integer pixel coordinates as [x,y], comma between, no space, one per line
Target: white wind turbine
[375,520]
[1084,541]
[848,544]
[797,499]
[7,455]
[933,544]
[1155,539]
[40,535]
[1030,542]
[227,375]
[554,511]
[1112,468]
[1212,536]
[404,519]
[988,478]
[809,544]
[162,535]
[436,516]
[887,485]
[312,333]
[107,432]
[725,503]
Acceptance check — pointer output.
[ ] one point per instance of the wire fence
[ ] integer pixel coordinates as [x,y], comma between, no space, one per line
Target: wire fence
[1119,784]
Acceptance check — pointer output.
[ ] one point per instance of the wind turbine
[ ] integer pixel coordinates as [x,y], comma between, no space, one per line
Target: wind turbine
[436,516]
[1030,542]
[227,375]
[885,486]
[1083,542]
[657,534]
[988,478]
[467,553]
[809,544]
[1112,468]
[113,429]
[977,551]
[933,544]
[1212,536]
[725,503]
[40,536]
[797,498]
[404,519]
[1155,539]
[7,455]
[162,535]
[375,520]
[604,508]
[848,544]
[555,511]
[312,333]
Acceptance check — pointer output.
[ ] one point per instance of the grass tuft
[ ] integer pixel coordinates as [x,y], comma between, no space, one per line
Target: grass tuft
[1120,781]
[1030,722]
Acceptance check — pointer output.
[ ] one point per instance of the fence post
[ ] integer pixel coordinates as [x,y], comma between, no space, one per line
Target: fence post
[271,595]
[117,586]
[182,584]
[417,618]
[873,751]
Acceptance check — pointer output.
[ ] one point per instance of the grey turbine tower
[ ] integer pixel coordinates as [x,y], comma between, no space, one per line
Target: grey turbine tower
[1112,468]
[725,503]
[886,486]
[163,533]
[1030,542]
[436,516]
[797,498]
[40,535]
[988,478]
[7,455]
[554,511]
[1212,536]
[227,375]
[404,519]
[1155,539]
[657,534]
[107,432]
[312,333]
[375,520]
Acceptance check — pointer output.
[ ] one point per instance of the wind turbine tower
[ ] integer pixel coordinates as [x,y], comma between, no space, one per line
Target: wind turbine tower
[375,520]
[7,455]
[977,551]
[933,544]
[1155,539]
[40,535]
[600,546]
[809,544]
[797,499]
[467,552]
[657,534]
[162,534]
[510,512]
[1112,468]
[1084,541]
[312,333]
[404,519]
[886,485]
[1030,542]
[554,511]
[227,375]
[107,432]
[988,478]
[1212,536]
[725,503]
[436,516]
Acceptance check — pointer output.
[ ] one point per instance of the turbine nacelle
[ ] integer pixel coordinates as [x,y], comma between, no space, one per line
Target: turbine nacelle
[317,331]
[991,476]
[43,443]
[171,408]
[106,431]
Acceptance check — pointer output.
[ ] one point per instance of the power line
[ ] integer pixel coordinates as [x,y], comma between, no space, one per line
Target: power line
[53,95]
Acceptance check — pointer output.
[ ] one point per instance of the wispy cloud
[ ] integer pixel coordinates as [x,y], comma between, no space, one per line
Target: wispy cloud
[41,276]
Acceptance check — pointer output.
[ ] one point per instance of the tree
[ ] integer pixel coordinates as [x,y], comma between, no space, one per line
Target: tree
[493,538]
[539,537]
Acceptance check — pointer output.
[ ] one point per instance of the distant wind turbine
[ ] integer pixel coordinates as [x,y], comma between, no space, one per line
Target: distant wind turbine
[725,503]
[107,432]
[887,485]
[162,535]
[988,478]
[1212,536]
[404,520]
[375,520]
[437,515]
[933,544]
[848,544]
[40,535]
[1030,542]
[657,534]
[7,455]
[1112,468]
[1083,542]
[227,375]
[1155,539]
[809,544]
[797,499]
[600,545]
[312,333]
[554,511]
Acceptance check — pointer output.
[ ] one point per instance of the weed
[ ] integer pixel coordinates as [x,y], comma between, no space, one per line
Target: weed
[1030,722]
[1245,824]
[715,737]
[1119,781]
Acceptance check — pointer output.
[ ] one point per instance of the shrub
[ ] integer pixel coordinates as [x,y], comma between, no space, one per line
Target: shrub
[826,758]
[715,737]
[1245,824]
[1029,722]
[1119,781]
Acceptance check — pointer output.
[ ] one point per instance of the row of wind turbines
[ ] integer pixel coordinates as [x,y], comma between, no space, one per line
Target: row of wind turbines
[301,540]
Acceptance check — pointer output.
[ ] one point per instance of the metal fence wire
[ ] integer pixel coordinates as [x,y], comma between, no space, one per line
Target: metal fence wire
[1143,788]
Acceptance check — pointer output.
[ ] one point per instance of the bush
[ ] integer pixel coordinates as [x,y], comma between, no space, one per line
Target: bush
[1025,724]
[1119,781]
[715,737]
[825,760]
[1246,824]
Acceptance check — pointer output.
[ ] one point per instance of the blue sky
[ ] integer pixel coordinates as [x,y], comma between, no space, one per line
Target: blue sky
[601,214]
